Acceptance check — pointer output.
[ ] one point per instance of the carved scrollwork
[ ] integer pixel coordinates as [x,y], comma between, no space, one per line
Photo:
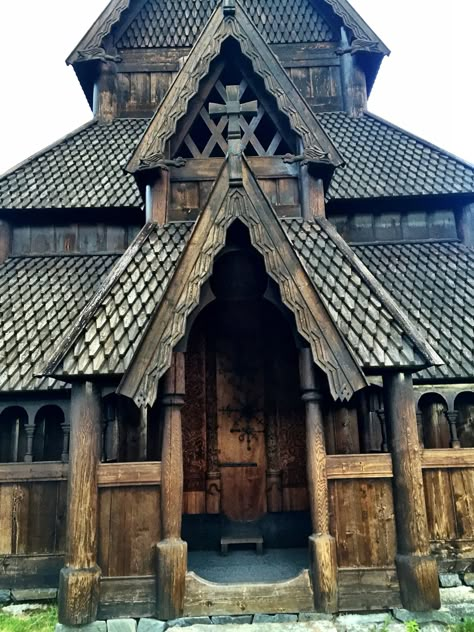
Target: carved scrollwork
[311,154]
[158,161]
[96,53]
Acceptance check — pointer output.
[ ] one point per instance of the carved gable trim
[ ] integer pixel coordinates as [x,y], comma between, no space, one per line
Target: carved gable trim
[290,102]
[168,324]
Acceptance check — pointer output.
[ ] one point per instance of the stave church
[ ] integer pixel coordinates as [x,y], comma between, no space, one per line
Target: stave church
[236,331]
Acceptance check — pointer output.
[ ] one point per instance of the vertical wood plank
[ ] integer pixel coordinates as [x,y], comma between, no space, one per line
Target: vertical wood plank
[463,493]
[6,519]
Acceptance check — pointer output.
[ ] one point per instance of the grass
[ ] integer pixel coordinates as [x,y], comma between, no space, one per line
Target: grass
[42,621]
[465,626]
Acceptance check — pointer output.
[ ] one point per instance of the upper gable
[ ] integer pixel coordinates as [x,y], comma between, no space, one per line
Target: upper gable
[147,40]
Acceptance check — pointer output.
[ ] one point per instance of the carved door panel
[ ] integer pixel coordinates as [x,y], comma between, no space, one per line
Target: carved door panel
[240,412]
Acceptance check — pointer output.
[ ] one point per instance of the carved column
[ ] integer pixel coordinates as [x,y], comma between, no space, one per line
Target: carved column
[171,550]
[452,417]
[274,482]
[78,596]
[322,546]
[417,569]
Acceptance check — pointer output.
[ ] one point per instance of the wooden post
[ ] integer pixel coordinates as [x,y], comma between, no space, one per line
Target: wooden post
[78,596]
[313,203]
[105,93]
[322,546]
[5,240]
[171,550]
[417,569]
[465,225]
[354,85]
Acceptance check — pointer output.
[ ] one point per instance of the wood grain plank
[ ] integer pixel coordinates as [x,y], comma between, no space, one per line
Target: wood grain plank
[439,504]
[462,482]
[126,474]
[448,458]
[349,466]
[17,472]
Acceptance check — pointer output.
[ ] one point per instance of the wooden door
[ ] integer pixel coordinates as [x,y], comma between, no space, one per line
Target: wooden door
[240,410]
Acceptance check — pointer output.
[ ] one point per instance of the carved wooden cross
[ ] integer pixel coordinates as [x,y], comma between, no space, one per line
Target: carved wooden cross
[233,108]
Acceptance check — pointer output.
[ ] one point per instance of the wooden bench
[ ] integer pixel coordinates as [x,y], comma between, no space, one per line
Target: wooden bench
[241,534]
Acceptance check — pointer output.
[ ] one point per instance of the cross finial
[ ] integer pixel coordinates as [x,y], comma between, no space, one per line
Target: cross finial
[233,108]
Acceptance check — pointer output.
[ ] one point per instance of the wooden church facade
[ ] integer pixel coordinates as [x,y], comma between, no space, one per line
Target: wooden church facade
[235,299]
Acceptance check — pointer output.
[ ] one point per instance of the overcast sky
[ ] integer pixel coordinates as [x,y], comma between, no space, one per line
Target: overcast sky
[425,86]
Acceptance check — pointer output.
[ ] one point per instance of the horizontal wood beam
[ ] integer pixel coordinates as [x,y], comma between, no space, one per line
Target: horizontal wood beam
[448,458]
[208,168]
[348,466]
[135,474]
[41,471]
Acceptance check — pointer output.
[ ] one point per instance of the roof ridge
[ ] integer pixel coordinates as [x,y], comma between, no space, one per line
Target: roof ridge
[382,294]
[49,147]
[425,142]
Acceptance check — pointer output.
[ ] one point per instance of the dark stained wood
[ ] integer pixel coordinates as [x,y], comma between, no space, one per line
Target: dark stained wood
[268,167]
[105,106]
[365,589]
[171,551]
[127,597]
[354,88]
[321,544]
[159,198]
[30,571]
[79,579]
[5,240]
[417,571]
[204,597]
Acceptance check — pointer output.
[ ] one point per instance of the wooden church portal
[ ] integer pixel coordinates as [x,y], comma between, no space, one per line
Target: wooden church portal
[243,420]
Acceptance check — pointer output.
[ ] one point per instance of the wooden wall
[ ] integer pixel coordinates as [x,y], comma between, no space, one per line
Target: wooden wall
[71,238]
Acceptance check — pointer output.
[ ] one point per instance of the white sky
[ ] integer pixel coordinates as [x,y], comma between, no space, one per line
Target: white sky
[425,86]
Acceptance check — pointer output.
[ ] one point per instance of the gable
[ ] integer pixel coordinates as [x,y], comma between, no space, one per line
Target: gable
[223,28]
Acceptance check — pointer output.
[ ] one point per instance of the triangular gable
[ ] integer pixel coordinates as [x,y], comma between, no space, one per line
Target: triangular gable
[167,326]
[317,147]
[92,45]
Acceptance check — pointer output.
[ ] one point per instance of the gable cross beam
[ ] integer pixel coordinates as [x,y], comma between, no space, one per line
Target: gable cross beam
[233,109]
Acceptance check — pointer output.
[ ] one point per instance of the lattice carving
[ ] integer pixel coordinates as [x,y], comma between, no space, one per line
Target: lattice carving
[265,65]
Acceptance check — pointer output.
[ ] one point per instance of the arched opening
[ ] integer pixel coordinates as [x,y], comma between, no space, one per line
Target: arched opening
[244,428]
[434,421]
[122,439]
[464,405]
[13,442]
[48,435]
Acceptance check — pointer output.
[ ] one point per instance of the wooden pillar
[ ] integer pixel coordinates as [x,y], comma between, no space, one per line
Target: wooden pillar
[5,240]
[105,93]
[417,569]
[171,550]
[322,546]
[354,84]
[466,225]
[78,596]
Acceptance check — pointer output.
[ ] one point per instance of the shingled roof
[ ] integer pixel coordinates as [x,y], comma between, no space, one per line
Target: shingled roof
[72,172]
[434,283]
[106,340]
[40,299]
[126,24]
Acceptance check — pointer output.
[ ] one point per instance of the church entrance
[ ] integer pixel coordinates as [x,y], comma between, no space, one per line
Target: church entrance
[244,452]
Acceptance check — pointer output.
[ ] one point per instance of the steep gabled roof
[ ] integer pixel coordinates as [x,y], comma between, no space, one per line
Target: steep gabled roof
[220,27]
[188,20]
[248,204]
[71,173]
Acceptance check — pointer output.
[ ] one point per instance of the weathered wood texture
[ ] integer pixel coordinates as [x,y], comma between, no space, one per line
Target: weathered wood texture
[368,589]
[139,93]
[5,240]
[322,545]
[30,571]
[129,474]
[449,495]
[363,522]
[79,579]
[171,551]
[71,238]
[129,528]
[417,571]
[105,93]
[127,597]
[203,597]
[32,517]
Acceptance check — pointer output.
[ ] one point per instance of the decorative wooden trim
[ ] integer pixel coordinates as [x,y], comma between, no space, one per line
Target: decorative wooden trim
[41,471]
[349,466]
[448,458]
[129,474]
[290,102]
[269,167]
[203,597]
[250,206]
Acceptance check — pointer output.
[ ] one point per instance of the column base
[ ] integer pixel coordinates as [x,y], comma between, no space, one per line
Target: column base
[78,595]
[323,571]
[171,566]
[419,585]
